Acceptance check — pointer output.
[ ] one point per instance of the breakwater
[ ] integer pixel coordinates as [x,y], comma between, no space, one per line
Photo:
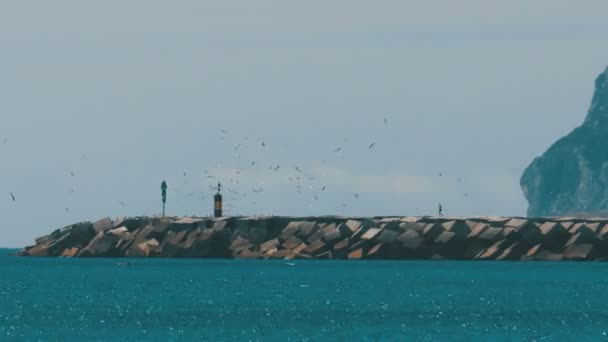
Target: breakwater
[331,237]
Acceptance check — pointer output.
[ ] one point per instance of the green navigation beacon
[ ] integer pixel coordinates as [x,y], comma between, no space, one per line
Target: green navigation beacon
[163,189]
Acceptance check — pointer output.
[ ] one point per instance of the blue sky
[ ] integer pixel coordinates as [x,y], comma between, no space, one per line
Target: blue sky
[124,95]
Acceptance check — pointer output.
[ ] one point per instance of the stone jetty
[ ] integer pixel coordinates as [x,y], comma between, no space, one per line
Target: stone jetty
[331,237]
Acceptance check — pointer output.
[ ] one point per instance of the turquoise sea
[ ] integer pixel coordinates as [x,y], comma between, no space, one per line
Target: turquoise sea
[211,300]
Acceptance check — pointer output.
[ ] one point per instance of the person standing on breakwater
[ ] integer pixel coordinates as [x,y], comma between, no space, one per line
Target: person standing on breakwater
[163,190]
[440,209]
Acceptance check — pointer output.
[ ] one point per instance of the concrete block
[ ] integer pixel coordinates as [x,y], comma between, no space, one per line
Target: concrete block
[387,236]
[356,254]
[371,233]
[554,236]
[239,244]
[291,243]
[415,226]
[579,252]
[432,231]
[268,245]
[491,234]
[103,225]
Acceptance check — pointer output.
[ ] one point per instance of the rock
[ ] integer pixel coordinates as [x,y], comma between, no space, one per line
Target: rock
[331,233]
[410,240]
[102,245]
[457,227]
[377,251]
[554,236]
[489,254]
[290,229]
[578,252]
[103,225]
[445,238]
[353,226]
[582,237]
[579,227]
[356,254]
[344,230]
[513,252]
[478,230]
[119,231]
[546,255]
[281,254]
[516,223]
[316,247]
[387,236]
[268,245]
[603,233]
[248,254]
[69,252]
[239,244]
[325,255]
[220,225]
[571,177]
[341,247]
[490,234]
[432,231]
[291,243]
[417,227]
[371,233]
[300,248]
[532,252]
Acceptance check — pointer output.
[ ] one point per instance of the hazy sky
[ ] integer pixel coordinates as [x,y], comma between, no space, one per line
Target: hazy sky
[125,94]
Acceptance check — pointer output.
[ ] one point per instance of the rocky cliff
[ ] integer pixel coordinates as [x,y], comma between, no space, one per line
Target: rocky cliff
[571,177]
[328,237]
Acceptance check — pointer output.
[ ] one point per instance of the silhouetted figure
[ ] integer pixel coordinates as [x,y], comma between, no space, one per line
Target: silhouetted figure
[440,209]
[163,189]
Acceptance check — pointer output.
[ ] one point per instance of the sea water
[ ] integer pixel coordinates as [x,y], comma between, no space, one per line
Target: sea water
[300,300]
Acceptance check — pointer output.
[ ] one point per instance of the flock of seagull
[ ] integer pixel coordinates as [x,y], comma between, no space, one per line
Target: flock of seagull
[301,180]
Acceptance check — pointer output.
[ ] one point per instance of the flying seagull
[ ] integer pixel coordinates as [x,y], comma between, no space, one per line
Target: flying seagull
[298,169]
[323,188]
[371,146]
[13,197]
[263,144]
[385,121]
[357,195]
[224,131]
[338,149]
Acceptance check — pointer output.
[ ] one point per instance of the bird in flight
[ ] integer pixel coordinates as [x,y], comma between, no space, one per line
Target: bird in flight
[13,197]
[385,121]
[316,198]
[224,131]
[371,146]
[298,169]
[263,144]
[323,188]
[338,149]
[72,173]
[122,203]
[357,195]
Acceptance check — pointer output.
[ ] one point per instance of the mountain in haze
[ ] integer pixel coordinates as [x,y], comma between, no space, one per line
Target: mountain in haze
[571,177]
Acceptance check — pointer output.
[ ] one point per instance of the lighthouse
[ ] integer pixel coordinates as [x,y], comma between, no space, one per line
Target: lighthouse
[217,212]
